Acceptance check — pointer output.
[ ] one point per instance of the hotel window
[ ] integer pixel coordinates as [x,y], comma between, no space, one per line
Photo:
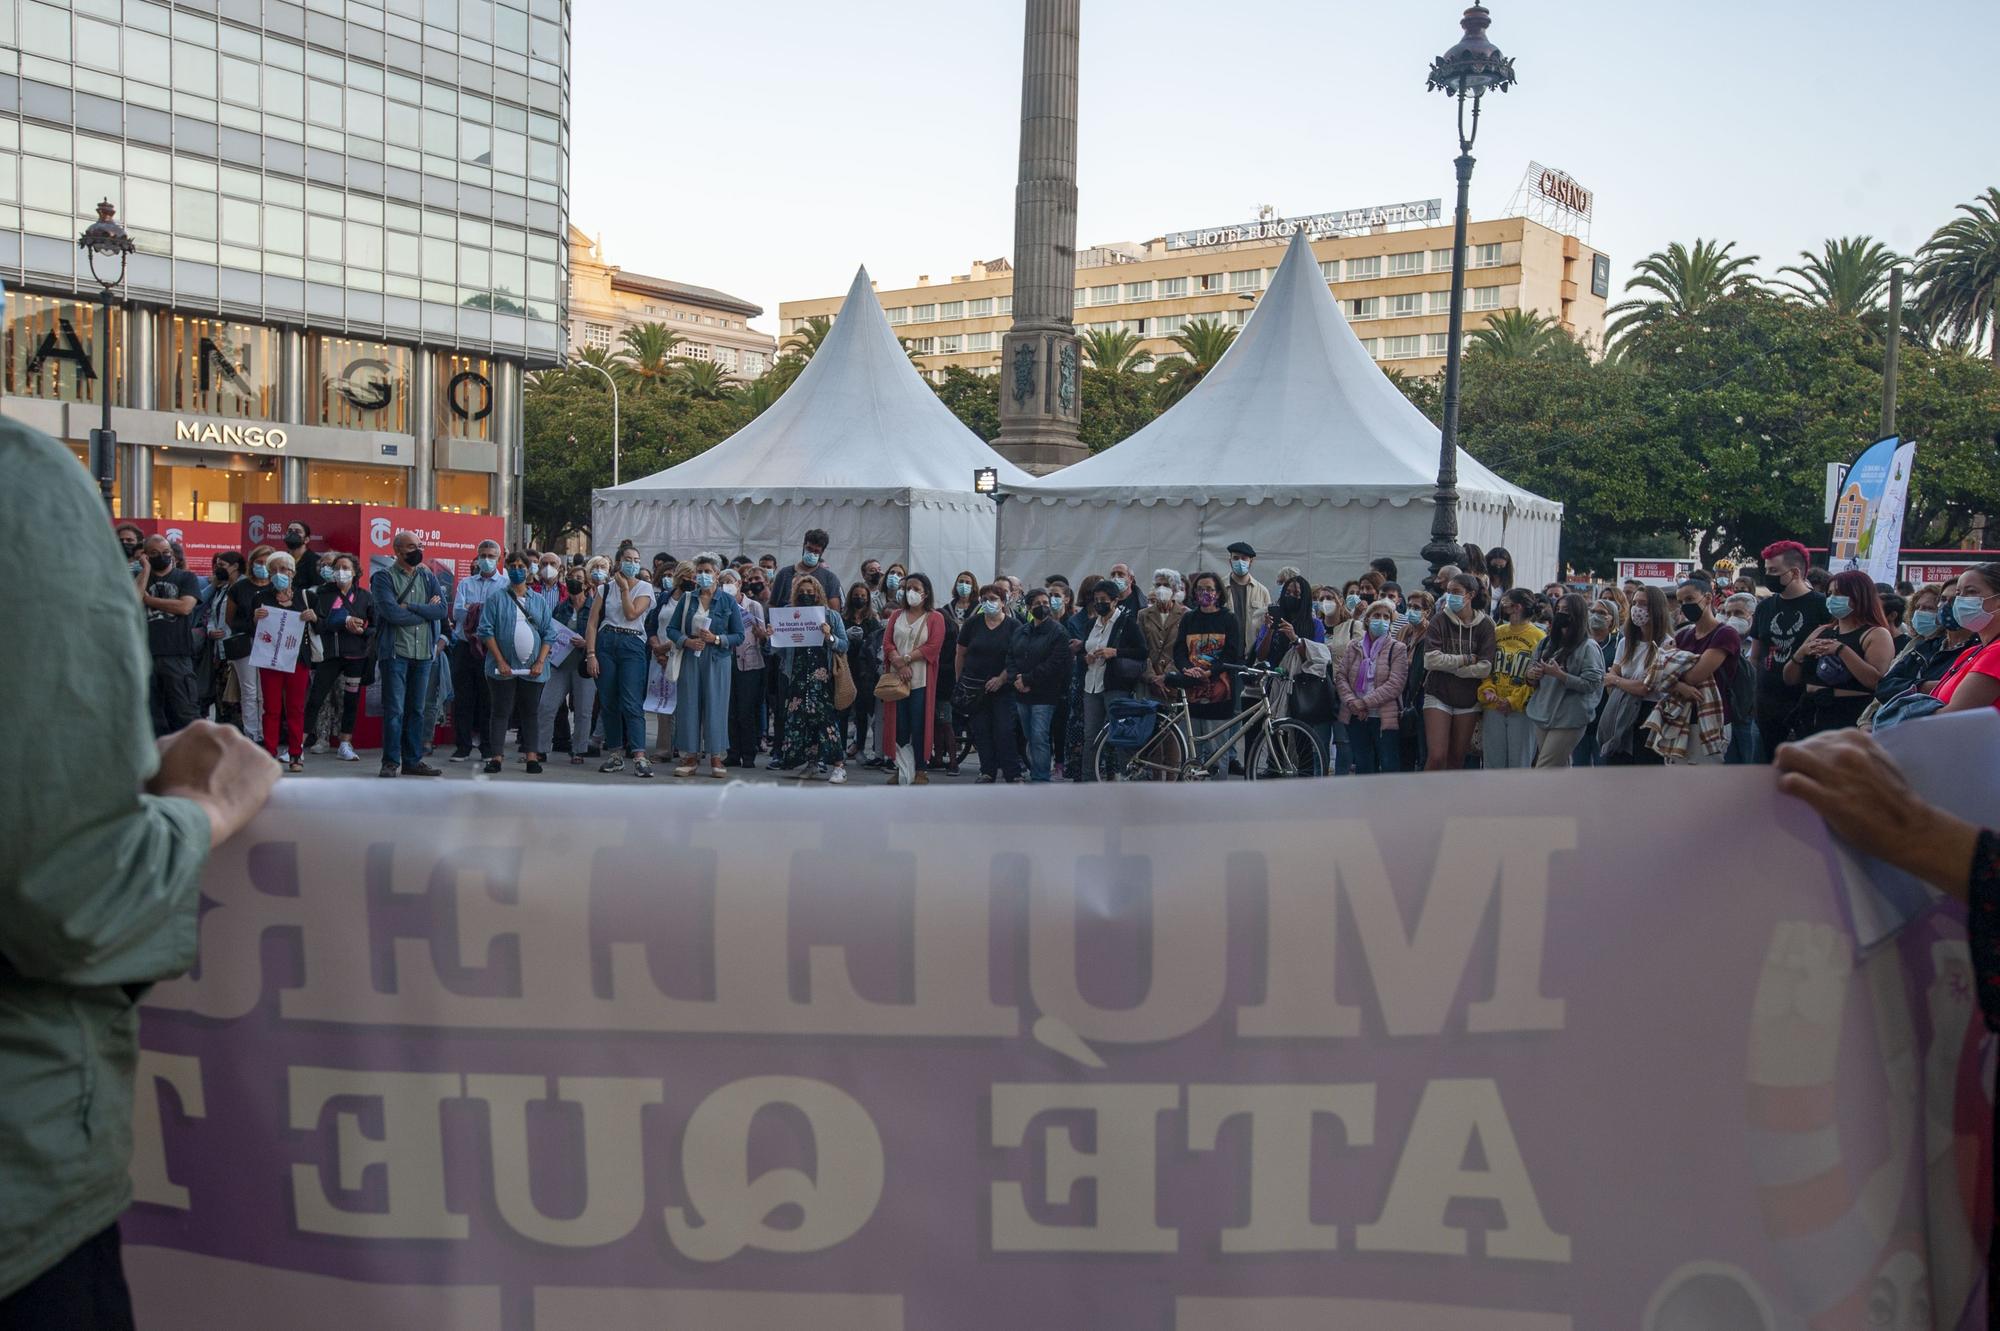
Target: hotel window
[1172,288]
[1006,304]
[1248,279]
[1236,318]
[922,346]
[1440,261]
[358,385]
[979,309]
[952,309]
[1402,348]
[597,337]
[1402,265]
[923,314]
[53,348]
[1360,270]
[215,368]
[1104,295]
[1136,327]
[1372,347]
[1486,298]
[1081,296]
[1486,256]
[1330,269]
[949,344]
[753,363]
[1440,302]
[726,358]
[465,492]
[1368,307]
[1138,291]
[899,315]
[1208,283]
[349,483]
[696,351]
[1402,307]
[979,341]
[1436,343]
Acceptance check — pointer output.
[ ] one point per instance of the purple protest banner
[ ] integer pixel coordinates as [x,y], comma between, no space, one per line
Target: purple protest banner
[1465,1053]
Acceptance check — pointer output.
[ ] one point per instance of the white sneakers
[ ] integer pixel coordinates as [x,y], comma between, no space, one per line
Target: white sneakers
[837,777]
[347,753]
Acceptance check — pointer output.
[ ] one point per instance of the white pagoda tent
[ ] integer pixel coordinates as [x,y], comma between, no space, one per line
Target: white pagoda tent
[1295,442]
[859,445]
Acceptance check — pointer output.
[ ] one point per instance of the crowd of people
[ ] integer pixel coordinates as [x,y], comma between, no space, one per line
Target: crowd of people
[627,661]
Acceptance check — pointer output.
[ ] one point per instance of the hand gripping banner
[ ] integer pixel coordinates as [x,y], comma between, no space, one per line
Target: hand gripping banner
[1567,1050]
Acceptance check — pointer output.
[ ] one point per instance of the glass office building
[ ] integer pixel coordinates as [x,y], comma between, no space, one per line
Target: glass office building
[352,229]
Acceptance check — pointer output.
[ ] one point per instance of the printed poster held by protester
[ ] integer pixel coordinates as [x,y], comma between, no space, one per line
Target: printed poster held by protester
[1868,520]
[278,635]
[797,626]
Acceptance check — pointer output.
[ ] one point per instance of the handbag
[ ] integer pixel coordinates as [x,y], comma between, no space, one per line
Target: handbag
[892,688]
[843,683]
[1313,699]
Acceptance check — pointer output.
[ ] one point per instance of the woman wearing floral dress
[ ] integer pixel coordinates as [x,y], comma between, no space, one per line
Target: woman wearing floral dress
[811,734]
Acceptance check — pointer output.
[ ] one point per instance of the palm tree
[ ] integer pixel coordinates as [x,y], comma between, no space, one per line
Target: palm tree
[1958,269]
[1685,282]
[806,339]
[1202,344]
[1115,350]
[1517,335]
[1848,276]
[649,352]
[765,389]
[700,378]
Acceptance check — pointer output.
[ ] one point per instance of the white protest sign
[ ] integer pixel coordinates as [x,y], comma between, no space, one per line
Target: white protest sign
[660,686]
[279,633]
[561,643]
[797,626]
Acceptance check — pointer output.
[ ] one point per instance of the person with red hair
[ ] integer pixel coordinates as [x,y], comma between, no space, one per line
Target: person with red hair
[1781,625]
[1840,662]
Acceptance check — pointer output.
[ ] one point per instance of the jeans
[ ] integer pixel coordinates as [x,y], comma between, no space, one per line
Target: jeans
[910,714]
[568,681]
[406,686]
[468,695]
[1338,744]
[1041,720]
[622,661]
[1743,744]
[85,1291]
[246,698]
[1375,749]
[1587,754]
[173,693]
[746,713]
[993,736]
[517,700]
[1507,739]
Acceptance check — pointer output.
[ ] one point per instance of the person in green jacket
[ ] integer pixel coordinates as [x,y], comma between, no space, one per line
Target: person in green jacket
[101,851]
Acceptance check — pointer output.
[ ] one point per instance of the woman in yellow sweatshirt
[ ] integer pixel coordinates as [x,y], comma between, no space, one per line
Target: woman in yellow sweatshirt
[1506,735]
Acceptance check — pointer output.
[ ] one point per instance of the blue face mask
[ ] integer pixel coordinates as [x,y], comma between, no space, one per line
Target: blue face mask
[1056,604]
[600,575]
[1413,616]
[989,607]
[629,567]
[893,582]
[1378,628]
[705,581]
[1924,623]
[1839,606]
[1118,585]
[1352,601]
[517,576]
[260,570]
[810,559]
[1454,602]
[486,564]
[1239,566]
[963,589]
[281,580]
[1971,613]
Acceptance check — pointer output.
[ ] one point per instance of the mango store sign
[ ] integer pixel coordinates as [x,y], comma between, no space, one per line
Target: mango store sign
[228,433]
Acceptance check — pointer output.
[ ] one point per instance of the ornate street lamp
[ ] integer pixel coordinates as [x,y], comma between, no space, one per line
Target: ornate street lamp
[1467,72]
[108,247]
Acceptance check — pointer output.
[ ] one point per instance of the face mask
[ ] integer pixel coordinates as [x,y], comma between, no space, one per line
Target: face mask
[343,576]
[1180,596]
[1454,601]
[963,589]
[486,564]
[1839,606]
[600,575]
[1924,623]
[517,577]
[705,581]
[1642,614]
[1205,598]
[893,582]
[1039,611]
[1104,607]
[913,598]
[989,608]
[550,572]
[871,576]
[1970,612]
[131,549]
[264,570]
[1326,606]
[629,567]
[1162,595]
[1351,602]
[293,540]
[282,581]
[1600,621]
[413,556]
[1239,566]
[1413,616]
[1739,623]
[810,559]
[1691,611]
[1378,628]
[1056,604]
[160,563]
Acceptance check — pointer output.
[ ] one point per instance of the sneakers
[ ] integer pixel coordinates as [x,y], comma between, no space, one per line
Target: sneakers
[347,753]
[460,755]
[922,778]
[493,766]
[534,767]
[420,769]
[318,747]
[837,777]
[684,770]
[390,769]
[640,767]
[612,764]
[774,766]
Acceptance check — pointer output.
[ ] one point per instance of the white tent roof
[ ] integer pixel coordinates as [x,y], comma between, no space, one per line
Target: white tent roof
[1296,409]
[858,424]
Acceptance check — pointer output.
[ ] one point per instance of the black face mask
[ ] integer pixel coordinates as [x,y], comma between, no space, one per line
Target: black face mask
[1691,611]
[872,578]
[1103,609]
[413,556]
[293,540]
[1039,611]
[131,549]
[160,563]
[576,586]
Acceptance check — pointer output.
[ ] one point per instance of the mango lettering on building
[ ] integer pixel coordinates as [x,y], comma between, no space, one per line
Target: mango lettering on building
[243,436]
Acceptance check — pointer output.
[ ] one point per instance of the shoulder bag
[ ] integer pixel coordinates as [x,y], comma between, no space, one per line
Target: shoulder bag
[843,681]
[892,687]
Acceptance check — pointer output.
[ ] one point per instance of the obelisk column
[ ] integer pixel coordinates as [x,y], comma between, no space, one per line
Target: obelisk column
[1041,383]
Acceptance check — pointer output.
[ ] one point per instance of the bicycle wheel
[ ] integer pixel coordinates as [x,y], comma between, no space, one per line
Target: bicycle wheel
[1160,758]
[1287,750]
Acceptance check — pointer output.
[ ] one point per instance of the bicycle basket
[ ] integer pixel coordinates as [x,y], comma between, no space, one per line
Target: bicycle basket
[1132,721]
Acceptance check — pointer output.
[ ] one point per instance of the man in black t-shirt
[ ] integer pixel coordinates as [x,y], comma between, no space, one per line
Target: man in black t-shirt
[169,595]
[1782,622]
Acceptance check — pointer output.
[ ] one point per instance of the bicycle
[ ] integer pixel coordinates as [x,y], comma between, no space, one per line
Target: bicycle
[1281,748]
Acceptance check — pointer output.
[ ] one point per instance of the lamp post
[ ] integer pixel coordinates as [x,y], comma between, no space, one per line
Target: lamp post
[104,240]
[580,363]
[1467,72]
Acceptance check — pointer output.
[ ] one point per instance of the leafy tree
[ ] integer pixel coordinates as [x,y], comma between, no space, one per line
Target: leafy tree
[1517,335]
[1115,350]
[648,353]
[1115,407]
[1202,344]
[1949,403]
[973,398]
[1683,282]
[758,395]
[1958,269]
[804,342]
[700,378]
[1850,275]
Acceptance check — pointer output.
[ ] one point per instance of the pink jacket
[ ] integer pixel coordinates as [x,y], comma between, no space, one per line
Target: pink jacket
[1384,699]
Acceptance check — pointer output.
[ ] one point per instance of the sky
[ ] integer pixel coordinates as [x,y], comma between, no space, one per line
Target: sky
[769,148]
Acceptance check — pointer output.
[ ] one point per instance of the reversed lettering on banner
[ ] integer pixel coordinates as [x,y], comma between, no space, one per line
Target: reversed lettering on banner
[1250,1058]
